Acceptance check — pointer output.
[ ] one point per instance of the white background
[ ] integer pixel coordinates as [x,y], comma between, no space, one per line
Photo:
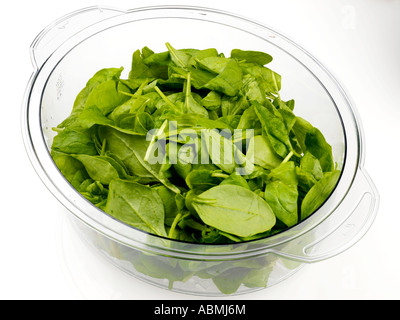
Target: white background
[357,39]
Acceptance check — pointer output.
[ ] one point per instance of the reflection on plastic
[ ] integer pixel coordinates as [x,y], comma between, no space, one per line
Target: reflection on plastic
[209,278]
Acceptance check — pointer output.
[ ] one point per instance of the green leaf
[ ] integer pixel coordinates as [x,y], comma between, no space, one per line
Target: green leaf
[170,204]
[136,205]
[285,172]
[319,193]
[92,115]
[267,79]
[287,114]
[257,57]
[309,172]
[300,128]
[316,144]
[98,168]
[71,168]
[106,96]
[249,119]
[179,57]
[229,281]
[311,165]
[202,179]
[261,152]
[224,153]
[190,104]
[99,77]
[74,140]
[274,127]
[235,210]
[149,65]
[212,101]
[236,179]
[228,81]
[233,105]
[282,199]
[138,68]
[215,65]
[253,90]
[131,149]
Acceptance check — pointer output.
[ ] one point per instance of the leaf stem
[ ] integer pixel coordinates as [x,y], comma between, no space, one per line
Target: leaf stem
[276,85]
[173,226]
[165,98]
[288,157]
[219,175]
[56,129]
[103,147]
[126,93]
[153,140]
[172,52]
[139,91]
[139,103]
[188,92]
[204,201]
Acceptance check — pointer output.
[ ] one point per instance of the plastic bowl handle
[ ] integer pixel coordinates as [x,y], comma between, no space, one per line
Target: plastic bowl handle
[55,34]
[348,224]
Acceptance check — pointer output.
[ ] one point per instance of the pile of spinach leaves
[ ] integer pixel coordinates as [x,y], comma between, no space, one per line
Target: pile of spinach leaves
[103,148]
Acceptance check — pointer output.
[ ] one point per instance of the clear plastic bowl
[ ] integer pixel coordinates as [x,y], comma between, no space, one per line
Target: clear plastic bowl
[67,53]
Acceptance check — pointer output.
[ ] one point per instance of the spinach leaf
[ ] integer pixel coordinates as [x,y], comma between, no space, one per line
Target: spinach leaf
[311,165]
[179,57]
[160,267]
[281,193]
[274,127]
[212,101]
[319,193]
[131,149]
[286,113]
[91,116]
[74,140]
[231,106]
[285,172]
[283,199]
[99,168]
[72,169]
[228,80]
[106,96]
[178,158]
[262,153]
[229,281]
[94,191]
[136,205]
[190,104]
[148,65]
[225,154]
[100,77]
[220,150]
[249,120]
[257,57]
[267,79]
[309,172]
[202,179]
[235,179]
[300,128]
[171,208]
[253,90]
[316,144]
[235,210]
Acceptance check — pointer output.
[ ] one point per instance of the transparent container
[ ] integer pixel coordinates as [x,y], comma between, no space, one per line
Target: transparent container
[68,52]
